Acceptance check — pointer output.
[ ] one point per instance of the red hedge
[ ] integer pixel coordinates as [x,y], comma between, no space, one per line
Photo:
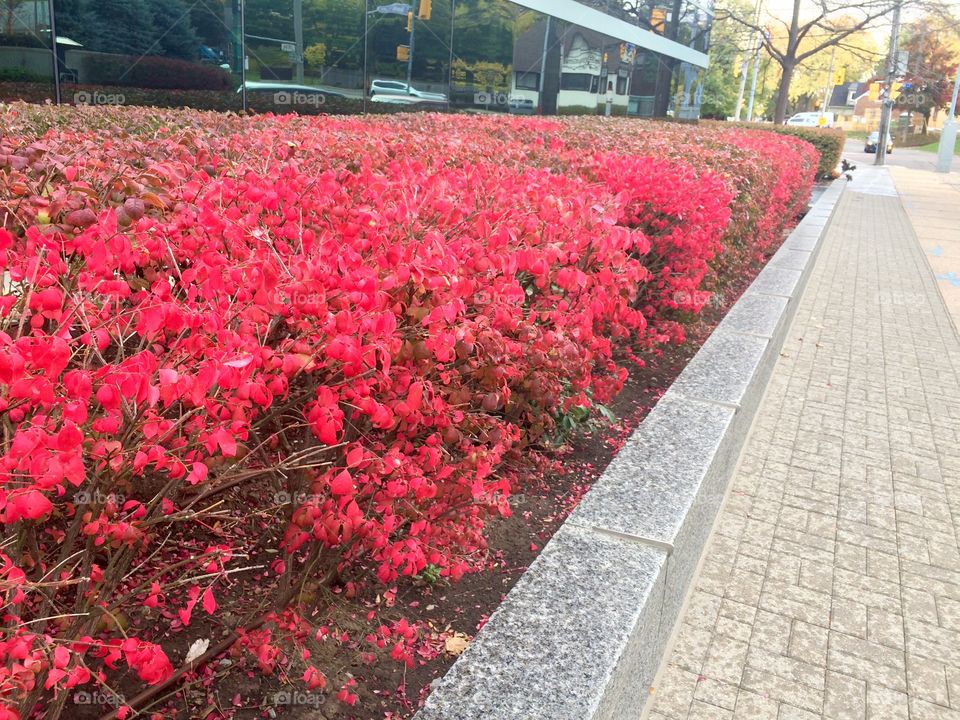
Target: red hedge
[382,319]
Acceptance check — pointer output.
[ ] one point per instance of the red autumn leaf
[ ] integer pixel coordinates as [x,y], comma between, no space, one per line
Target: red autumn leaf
[342,484]
[30,505]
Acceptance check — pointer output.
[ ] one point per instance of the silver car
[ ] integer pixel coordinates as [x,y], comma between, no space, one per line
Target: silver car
[395,87]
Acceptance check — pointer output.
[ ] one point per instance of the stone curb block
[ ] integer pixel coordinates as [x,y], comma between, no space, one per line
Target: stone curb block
[581,635]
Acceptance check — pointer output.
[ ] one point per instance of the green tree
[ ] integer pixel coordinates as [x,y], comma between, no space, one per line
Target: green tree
[484,31]
[119,26]
[316,55]
[730,45]
[173,27]
[73,19]
[209,22]
[142,27]
[337,24]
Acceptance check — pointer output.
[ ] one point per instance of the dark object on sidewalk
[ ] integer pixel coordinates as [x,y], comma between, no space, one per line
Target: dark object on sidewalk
[847,167]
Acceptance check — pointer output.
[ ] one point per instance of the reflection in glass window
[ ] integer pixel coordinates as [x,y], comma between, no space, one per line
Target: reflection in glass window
[331,55]
[622,82]
[528,81]
[575,81]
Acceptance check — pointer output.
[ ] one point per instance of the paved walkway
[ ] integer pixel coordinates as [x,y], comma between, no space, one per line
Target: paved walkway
[831,588]
[932,201]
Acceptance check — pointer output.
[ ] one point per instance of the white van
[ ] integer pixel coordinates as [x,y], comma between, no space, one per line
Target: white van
[812,119]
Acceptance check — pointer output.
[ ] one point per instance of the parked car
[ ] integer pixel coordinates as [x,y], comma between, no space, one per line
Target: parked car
[873,139]
[397,88]
[522,106]
[812,119]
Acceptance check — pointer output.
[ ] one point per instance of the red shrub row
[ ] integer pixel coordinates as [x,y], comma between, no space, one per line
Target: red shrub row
[379,322]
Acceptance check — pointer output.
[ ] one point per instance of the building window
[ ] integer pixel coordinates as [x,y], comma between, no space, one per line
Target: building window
[595,84]
[528,81]
[851,96]
[575,81]
[622,83]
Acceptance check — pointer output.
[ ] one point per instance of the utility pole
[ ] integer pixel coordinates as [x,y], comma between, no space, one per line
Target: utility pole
[543,63]
[948,136]
[888,100]
[243,54]
[415,8]
[366,50]
[743,85]
[453,17]
[753,81]
[56,57]
[745,65]
[829,91]
[298,36]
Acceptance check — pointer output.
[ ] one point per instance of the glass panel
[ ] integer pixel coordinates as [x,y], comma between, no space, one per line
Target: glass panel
[352,56]
[643,84]
[167,53]
[408,55]
[533,39]
[590,65]
[26,63]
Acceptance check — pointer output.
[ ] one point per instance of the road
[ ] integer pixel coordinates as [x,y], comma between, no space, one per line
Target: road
[901,157]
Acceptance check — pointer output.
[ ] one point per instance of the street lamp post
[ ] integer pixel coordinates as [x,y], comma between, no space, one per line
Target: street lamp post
[948,136]
[298,36]
[892,68]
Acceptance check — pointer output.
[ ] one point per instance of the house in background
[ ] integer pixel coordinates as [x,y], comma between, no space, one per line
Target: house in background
[855,110]
[843,102]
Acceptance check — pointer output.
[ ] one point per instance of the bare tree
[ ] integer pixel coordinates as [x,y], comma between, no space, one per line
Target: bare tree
[10,6]
[830,25]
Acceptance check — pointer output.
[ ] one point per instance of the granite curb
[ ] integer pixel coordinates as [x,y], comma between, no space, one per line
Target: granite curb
[581,635]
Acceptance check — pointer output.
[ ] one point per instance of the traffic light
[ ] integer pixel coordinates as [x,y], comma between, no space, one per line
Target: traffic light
[403,53]
[839,76]
[658,20]
[874,93]
[425,8]
[410,21]
[895,90]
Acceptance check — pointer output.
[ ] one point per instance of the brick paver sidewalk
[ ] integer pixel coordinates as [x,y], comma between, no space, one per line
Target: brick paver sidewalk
[831,588]
[932,201]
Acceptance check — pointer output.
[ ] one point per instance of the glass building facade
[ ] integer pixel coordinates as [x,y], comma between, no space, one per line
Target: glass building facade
[623,57]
